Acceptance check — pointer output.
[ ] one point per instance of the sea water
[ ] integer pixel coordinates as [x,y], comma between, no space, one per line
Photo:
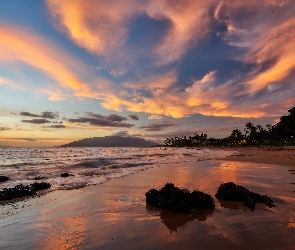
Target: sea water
[89,166]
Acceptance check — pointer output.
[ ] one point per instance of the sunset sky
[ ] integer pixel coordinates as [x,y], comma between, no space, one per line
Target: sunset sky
[73,69]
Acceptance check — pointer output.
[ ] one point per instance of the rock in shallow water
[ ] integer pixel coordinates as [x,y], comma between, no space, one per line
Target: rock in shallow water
[178,200]
[233,192]
[40,185]
[20,191]
[3,178]
[65,175]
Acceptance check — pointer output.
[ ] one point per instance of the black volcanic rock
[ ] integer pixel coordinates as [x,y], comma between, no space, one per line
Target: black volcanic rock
[178,200]
[39,178]
[111,141]
[233,192]
[40,185]
[3,178]
[20,191]
[16,192]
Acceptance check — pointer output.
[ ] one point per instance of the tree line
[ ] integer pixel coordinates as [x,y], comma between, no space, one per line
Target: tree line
[282,133]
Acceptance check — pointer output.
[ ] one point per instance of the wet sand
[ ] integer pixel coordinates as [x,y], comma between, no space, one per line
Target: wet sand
[114,215]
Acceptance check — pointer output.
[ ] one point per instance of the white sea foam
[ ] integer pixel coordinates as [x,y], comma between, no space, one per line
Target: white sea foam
[89,166]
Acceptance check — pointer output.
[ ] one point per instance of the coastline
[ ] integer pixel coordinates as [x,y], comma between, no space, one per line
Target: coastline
[114,215]
[284,156]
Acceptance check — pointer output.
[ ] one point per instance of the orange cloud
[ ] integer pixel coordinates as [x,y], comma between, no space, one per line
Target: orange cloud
[97,26]
[101,27]
[35,51]
[155,82]
[199,98]
[276,44]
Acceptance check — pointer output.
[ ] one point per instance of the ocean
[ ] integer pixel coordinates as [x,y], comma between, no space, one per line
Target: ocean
[89,166]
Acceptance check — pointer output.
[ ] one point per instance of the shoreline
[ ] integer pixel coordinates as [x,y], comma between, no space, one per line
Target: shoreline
[284,156]
[114,215]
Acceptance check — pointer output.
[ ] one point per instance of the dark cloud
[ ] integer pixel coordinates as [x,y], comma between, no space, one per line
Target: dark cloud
[116,118]
[3,129]
[24,113]
[49,115]
[113,117]
[36,121]
[55,126]
[134,117]
[45,114]
[158,126]
[100,122]
[103,121]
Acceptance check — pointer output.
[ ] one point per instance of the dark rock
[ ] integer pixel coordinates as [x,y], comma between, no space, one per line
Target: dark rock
[38,178]
[65,175]
[16,192]
[178,200]
[20,191]
[3,178]
[233,192]
[201,200]
[40,185]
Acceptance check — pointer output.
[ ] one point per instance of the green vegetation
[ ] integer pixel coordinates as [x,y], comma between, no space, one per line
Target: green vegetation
[280,134]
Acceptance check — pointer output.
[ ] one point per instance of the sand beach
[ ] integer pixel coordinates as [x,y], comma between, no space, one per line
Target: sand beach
[114,215]
[272,155]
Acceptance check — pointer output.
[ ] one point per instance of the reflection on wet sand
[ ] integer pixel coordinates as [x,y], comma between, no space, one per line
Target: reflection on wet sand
[65,234]
[235,205]
[176,220]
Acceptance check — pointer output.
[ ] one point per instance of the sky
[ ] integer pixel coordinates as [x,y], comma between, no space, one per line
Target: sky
[152,69]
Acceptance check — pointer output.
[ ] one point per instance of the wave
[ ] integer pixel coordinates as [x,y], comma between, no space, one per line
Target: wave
[89,166]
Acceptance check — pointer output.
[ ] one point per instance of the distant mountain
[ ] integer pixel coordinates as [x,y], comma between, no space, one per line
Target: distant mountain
[111,141]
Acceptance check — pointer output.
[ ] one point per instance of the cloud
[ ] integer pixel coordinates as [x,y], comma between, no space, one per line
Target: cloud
[24,113]
[120,133]
[158,126]
[45,114]
[134,117]
[267,35]
[104,28]
[113,117]
[200,97]
[280,50]
[55,126]
[21,45]
[158,56]
[49,115]
[4,129]
[155,117]
[36,121]
[113,120]
[135,134]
